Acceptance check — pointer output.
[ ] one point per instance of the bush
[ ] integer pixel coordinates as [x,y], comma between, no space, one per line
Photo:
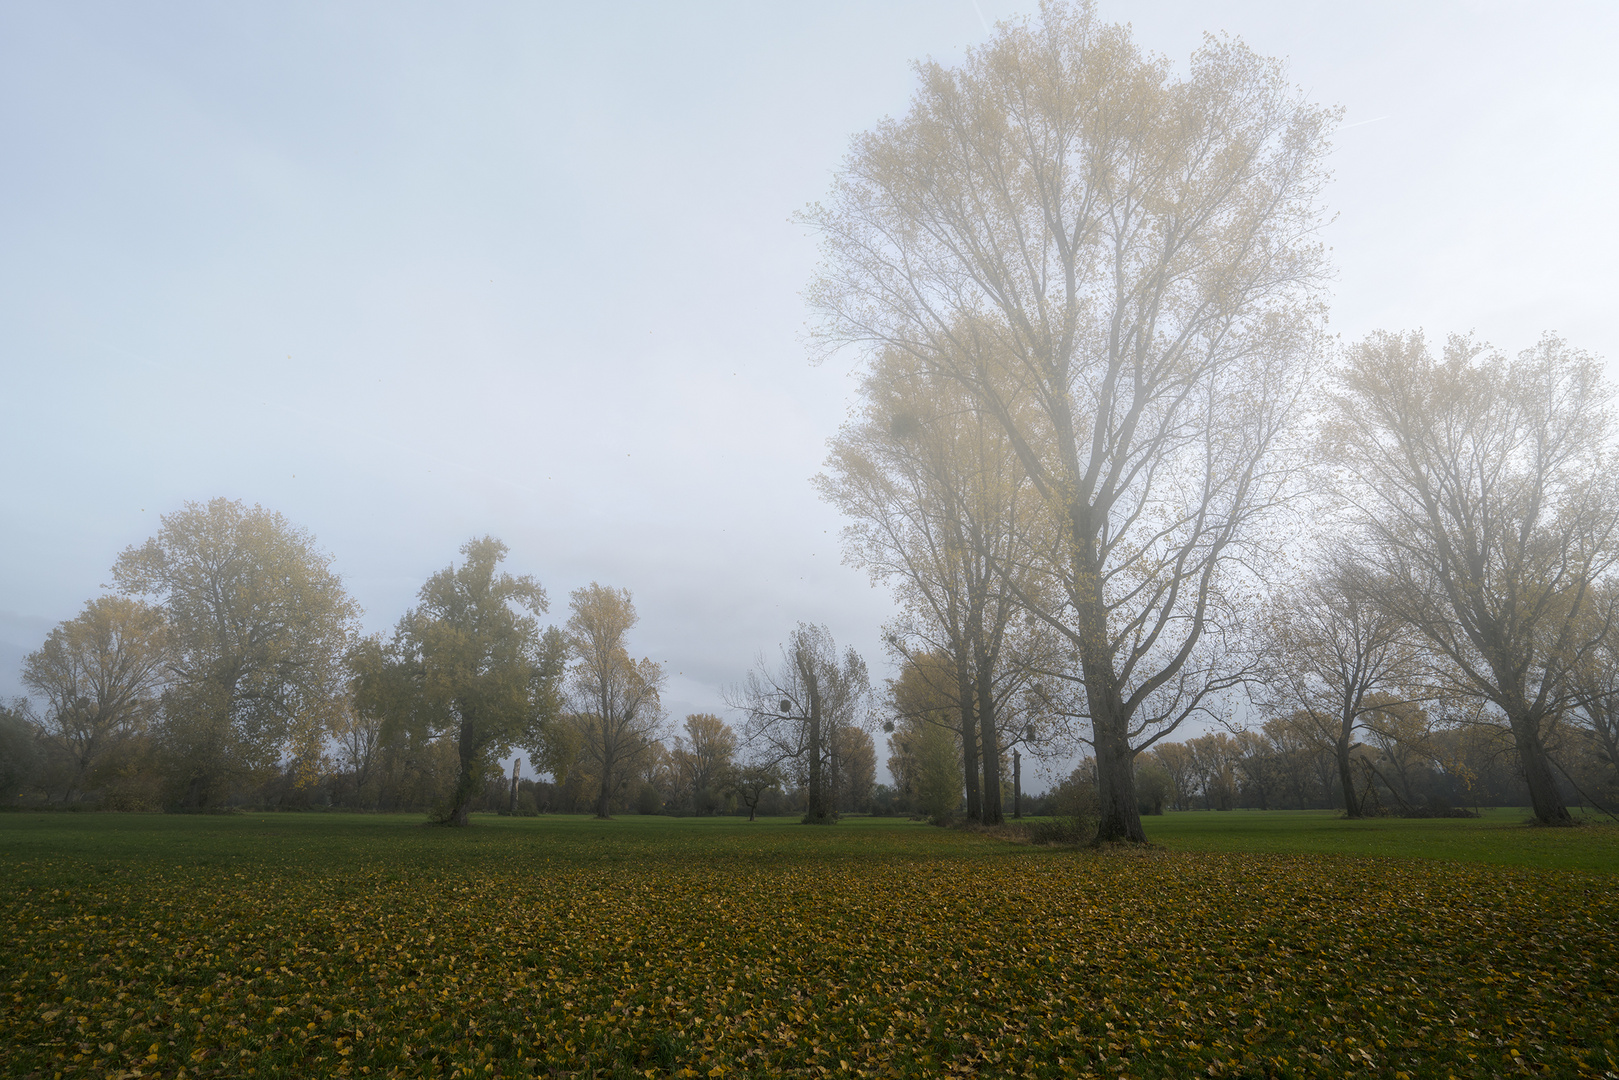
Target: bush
[1153,785]
[1075,811]
[18,756]
[647,800]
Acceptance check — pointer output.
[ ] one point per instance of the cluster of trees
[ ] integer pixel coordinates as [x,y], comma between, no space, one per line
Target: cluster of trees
[228,669]
[1093,457]
[1103,455]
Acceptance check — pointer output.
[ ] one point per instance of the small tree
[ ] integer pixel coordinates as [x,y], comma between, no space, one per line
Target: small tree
[1332,657]
[702,760]
[752,781]
[18,750]
[793,711]
[936,778]
[100,674]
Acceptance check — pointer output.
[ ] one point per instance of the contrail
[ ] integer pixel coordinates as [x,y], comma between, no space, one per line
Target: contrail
[982,21]
[1360,123]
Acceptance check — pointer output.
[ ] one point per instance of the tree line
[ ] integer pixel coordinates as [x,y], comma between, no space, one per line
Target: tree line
[1120,479]
[1116,472]
[228,669]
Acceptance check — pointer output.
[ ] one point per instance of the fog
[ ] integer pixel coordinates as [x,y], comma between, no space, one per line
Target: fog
[411,275]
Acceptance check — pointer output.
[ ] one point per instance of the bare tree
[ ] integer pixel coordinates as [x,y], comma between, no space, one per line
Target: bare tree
[1119,265]
[793,710]
[617,708]
[1332,657]
[1482,491]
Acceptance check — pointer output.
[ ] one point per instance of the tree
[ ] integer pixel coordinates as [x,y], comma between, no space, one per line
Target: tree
[1481,491]
[18,751]
[469,662]
[751,781]
[259,626]
[101,675]
[1402,734]
[936,498]
[615,700]
[856,755]
[1332,657]
[793,711]
[935,777]
[1119,266]
[703,760]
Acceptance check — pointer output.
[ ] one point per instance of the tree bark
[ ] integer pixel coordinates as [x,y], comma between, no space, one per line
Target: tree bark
[603,797]
[1544,798]
[465,780]
[989,743]
[968,728]
[817,812]
[1120,815]
[1346,777]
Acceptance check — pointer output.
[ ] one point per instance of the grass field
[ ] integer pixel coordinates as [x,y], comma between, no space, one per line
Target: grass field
[1247,944]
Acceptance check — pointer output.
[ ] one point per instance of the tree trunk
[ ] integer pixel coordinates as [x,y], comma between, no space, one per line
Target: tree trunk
[465,778]
[603,797]
[1120,815]
[817,812]
[1017,785]
[1544,798]
[1346,777]
[967,726]
[1116,787]
[989,744]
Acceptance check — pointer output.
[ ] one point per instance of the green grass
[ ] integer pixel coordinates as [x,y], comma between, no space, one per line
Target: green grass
[1246,945]
[1501,837]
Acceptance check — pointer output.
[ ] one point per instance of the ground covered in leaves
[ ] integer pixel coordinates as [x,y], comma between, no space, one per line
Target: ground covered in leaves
[326,945]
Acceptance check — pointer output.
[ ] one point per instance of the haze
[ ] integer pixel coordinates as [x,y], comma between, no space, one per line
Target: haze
[411,275]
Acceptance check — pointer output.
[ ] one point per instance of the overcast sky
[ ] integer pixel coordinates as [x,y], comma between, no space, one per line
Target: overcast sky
[414,273]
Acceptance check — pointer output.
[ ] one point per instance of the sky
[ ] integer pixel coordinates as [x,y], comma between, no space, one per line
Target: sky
[414,273]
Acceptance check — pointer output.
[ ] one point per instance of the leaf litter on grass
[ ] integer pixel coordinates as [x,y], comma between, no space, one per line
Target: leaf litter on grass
[1030,964]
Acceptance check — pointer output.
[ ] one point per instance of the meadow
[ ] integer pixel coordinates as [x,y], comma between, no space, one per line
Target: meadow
[1242,944]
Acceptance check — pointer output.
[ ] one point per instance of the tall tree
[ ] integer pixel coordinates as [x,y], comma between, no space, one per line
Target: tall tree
[615,700]
[1119,265]
[259,626]
[1482,492]
[101,674]
[936,499]
[793,711]
[469,662]
[1332,657]
[703,759]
